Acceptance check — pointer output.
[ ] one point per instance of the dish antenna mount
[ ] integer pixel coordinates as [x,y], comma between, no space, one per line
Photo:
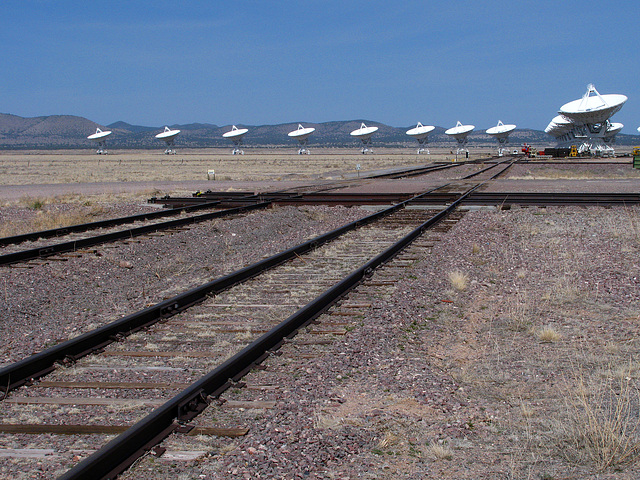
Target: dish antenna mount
[100,138]
[235,135]
[302,135]
[421,134]
[590,118]
[169,137]
[501,133]
[460,133]
[364,133]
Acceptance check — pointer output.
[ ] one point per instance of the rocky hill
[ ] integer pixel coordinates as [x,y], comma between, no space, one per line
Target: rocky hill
[70,132]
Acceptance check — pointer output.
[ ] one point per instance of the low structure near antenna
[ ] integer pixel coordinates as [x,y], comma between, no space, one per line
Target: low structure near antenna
[585,123]
[169,137]
[364,133]
[460,133]
[101,138]
[235,135]
[421,133]
[501,133]
[302,135]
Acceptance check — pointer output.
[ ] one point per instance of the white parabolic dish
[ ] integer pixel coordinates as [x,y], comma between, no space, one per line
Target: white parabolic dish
[99,135]
[301,133]
[364,131]
[614,128]
[460,131]
[420,131]
[167,134]
[593,107]
[501,130]
[235,132]
[559,126]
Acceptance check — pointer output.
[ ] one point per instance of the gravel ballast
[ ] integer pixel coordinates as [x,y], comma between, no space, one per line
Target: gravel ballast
[432,380]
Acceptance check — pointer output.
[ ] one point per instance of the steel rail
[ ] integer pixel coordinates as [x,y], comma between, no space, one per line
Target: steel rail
[125,449]
[84,227]
[240,197]
[38,365]
[547,199]
[74,245]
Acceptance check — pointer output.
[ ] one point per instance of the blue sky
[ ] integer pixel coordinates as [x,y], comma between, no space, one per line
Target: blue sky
[269,62]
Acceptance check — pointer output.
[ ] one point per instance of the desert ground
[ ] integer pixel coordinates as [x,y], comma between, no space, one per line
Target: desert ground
[511,350]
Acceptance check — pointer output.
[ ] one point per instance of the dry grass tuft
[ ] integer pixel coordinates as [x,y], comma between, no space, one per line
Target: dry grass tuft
[548,335]
[475,249]
[526,411]
[388,440]
[519,313]
[459,280]
[602,428]
[439,451]
[326,422]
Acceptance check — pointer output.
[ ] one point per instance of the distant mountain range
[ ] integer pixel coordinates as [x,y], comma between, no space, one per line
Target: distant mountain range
[70,132]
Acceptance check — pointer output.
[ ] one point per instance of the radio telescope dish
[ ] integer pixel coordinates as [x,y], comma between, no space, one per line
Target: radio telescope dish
[501,133]
[169,136]
[593,108]
[100,138]
[235,135]
[612,130]
[460,133]
[302,135]
[590,125]
[364,133]
[559,126]
[421,133]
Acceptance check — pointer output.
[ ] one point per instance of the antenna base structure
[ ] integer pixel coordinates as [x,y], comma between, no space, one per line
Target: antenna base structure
[102,148]
[502,146]
[170,150]
[236,149]
[303,150]
[366,146]
[422,142]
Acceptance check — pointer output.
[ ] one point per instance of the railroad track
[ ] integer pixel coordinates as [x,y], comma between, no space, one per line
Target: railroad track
[185,324]
[354,250]
[241,204]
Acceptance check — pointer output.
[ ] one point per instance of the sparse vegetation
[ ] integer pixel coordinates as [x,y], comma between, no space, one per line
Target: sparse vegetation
[603,426]
[36,204]
[548,335]
[459,280]
[439,451]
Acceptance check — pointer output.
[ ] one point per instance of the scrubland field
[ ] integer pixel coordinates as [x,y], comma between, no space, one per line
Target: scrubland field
[24,168]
